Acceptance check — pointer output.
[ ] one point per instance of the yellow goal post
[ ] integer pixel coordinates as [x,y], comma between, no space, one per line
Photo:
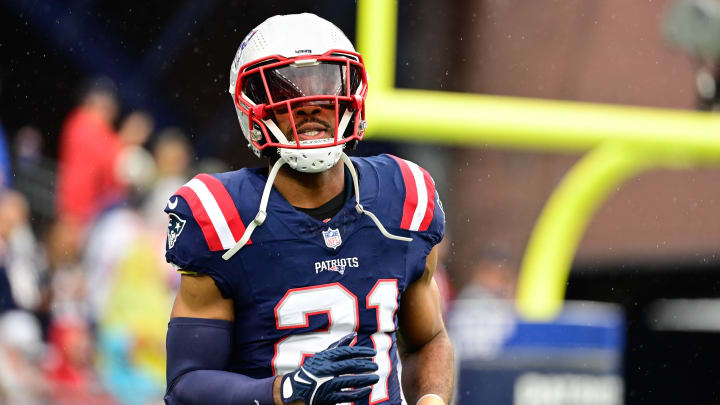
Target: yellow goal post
[618,142]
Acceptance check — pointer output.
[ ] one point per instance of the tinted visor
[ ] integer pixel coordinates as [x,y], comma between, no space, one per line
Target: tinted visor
[292,81]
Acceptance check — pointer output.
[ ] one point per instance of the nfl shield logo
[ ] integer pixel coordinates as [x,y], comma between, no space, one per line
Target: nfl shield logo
[332,238]
[175,227]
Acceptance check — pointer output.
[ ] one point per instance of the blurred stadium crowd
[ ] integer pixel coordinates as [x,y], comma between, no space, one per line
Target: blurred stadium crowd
[85,291]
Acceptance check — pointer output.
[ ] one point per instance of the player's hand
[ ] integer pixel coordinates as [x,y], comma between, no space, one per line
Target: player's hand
[325,377]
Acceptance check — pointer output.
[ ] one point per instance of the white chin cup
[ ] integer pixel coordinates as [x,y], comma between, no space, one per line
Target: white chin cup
[312,160]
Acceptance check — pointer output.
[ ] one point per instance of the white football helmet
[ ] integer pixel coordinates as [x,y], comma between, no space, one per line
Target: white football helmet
[299,62]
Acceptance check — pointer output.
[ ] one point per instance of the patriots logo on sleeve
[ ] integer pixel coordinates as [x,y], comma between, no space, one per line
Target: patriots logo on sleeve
[175,228]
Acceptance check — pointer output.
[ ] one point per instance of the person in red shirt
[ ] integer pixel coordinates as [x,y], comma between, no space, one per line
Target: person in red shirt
[69,370]
[89,147]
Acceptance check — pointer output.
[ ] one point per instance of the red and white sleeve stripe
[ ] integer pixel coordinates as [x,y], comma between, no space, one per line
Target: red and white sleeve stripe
[419,205]
[214,210]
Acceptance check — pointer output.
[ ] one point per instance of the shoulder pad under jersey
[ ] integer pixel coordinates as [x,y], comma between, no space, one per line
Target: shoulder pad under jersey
[407,198]
[204,221]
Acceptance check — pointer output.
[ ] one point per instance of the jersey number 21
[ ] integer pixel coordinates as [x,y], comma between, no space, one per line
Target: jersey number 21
[341,307]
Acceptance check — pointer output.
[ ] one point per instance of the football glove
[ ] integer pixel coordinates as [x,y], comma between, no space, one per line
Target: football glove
[327,377]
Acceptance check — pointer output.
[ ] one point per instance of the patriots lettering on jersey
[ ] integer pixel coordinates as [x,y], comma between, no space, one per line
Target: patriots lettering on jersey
[337,265]
[175,228]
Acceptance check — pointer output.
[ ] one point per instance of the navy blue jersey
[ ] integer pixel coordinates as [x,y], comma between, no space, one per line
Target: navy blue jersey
[300,283]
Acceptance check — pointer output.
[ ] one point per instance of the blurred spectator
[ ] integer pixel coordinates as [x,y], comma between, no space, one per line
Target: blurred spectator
[131,294]
[136,128]
[6,299]
[69,368]
[21,353]
[5,165]
[28,146]
[34,176]
[19,259]
[493,275]
[67,279]
[173,153]
[483,317]
[88,151]
[132,332]
[134,165]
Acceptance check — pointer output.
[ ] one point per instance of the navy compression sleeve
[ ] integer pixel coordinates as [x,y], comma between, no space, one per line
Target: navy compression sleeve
[198,351]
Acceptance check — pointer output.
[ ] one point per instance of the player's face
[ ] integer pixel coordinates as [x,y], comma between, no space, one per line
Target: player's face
[313,120]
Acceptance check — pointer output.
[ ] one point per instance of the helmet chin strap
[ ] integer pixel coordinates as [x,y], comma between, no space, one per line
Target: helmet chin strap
[262,213]
[272,126]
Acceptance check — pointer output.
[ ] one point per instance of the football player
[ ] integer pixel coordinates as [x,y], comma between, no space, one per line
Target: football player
[308,281]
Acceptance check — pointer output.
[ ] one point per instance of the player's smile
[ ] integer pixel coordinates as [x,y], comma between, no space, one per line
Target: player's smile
[312,121]
[313,130]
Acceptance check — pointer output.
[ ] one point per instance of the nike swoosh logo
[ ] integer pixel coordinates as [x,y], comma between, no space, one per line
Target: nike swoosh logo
[297,378]
[172,204]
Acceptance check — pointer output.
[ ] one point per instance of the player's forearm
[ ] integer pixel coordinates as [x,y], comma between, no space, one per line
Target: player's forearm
[198,350]
[429,370]
[218,387]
